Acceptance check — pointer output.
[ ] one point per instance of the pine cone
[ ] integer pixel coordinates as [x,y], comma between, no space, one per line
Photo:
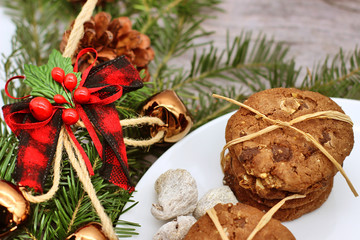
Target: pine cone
[112,38]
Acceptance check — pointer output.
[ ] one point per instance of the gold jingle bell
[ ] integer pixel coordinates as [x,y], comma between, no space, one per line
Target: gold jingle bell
[91,231]
[167,106]
[14,208]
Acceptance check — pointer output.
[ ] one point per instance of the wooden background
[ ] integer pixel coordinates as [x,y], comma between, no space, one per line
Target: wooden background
[312,29]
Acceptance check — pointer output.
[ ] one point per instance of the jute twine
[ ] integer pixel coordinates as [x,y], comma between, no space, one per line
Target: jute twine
[267,217]
[263,221]
[214,218]
[281,124]
[73,153]
[77,31]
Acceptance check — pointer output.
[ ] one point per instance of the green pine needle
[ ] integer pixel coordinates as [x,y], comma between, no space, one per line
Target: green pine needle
[41,81]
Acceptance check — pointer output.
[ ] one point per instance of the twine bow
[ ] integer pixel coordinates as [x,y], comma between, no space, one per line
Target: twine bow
[280,124]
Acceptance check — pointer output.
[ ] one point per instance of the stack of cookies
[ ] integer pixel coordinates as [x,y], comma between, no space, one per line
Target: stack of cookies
[263,170]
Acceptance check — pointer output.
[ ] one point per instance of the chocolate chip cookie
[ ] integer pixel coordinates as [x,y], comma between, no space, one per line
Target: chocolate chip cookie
[291,210]
[269,167]
[238,221]
[284,159]
[255,190]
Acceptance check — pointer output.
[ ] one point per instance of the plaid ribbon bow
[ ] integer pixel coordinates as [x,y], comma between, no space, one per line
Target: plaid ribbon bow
[106,82]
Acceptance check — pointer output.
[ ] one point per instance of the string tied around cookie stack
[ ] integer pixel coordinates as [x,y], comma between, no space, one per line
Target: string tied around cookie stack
[335,115]
[261,224]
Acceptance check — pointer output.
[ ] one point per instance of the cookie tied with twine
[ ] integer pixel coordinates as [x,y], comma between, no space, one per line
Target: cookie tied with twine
[265,219]
[293,122]
[240,221]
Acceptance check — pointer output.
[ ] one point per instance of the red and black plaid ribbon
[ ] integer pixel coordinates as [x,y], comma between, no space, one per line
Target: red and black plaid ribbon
[37,140]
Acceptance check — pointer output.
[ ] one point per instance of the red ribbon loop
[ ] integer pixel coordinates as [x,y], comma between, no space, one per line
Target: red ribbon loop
[7,85]
[19,120]
[87,70]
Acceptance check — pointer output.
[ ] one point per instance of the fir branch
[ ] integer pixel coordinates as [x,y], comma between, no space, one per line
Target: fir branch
[240,61]
[37,31]
[177,39]
[247,65]
[41,81]
[129,104]
[205,108]
[336,77]
[8,145]
[172,29]
[151,20]
[71,208]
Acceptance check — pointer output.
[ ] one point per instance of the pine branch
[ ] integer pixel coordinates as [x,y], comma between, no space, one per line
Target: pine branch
[336,77]
[239,62]
[128,105]
[151,20]
[193,10]
[172,30]
[8,145]
[37,34]
[37,31]
[71,207]
[206,108]
[177,39]
[246,65]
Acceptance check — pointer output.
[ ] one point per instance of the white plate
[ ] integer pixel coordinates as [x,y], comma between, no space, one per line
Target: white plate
[199,153]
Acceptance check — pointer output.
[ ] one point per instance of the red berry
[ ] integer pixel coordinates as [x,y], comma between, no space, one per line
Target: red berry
[70,81]
[82,95]
[70,116]
[58,74]
[41,108]
[60,99]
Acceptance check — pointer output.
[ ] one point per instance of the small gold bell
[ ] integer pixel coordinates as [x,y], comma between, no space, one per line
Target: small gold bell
[14,208]
[91,231]
[167,106]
